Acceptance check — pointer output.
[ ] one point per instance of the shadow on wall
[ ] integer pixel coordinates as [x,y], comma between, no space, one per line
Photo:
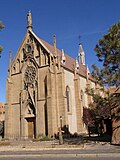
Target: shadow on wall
[115,131]
[2,129]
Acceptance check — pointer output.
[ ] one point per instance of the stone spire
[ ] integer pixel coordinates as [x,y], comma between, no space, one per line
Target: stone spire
[10,61]
[81,54]
[54,43]
[29,21]
[77,64]
[10,58]
[55,50]
[88,72]
[63,57]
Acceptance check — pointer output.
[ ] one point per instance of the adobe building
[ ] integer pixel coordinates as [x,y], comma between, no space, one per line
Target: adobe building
[2,119]
[115,115]
[2,112]
[45,89]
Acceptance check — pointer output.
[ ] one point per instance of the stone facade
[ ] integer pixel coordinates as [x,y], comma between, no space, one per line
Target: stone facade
[45,90]
[2,111]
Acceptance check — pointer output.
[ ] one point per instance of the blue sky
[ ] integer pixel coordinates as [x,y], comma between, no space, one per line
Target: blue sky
[66,18]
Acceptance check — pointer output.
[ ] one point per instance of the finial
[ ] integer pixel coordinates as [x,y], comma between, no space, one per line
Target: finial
[10,58]
[63,57]
[10,61]
[88,72]
[77,64]
[79,38]
[29,20]
[54,43]
[74,68]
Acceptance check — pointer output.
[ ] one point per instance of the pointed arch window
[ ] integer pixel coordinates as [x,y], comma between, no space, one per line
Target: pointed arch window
[81,95]
[14,69]
[68,98]
[18,66]
[82,98]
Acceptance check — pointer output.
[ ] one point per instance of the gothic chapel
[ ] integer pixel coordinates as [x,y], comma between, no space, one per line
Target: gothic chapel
[45,89]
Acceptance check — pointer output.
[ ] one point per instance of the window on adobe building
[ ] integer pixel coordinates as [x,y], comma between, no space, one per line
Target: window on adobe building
[68,98]
[82,97]
[18,66]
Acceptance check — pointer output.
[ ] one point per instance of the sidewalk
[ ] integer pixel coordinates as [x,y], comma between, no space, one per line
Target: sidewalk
[53,149]
[54,145]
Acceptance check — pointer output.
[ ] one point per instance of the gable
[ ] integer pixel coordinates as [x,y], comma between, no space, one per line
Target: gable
[30,49]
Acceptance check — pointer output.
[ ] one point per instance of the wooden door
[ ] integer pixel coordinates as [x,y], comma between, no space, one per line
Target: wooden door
[31,129]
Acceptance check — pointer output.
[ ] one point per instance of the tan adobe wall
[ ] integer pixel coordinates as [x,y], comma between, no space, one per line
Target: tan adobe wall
[2,111]
[69,81]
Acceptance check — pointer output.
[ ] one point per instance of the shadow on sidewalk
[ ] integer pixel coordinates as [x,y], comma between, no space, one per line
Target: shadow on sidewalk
[86,139]
[103,138]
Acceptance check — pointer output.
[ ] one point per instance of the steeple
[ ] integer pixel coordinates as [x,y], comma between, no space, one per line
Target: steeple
[81,54]
[29,20]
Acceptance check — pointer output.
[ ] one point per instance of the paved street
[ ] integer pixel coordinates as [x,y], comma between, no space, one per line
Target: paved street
[65,154]
[17,150]
[62,151]
[37,156]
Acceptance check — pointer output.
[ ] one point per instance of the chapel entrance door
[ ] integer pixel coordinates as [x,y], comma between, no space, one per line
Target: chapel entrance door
[31,128]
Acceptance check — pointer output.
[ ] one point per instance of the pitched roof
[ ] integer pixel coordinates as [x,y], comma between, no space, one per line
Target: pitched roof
[69,63]
[114,90]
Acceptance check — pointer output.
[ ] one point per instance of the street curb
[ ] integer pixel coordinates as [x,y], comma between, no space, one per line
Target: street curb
[115,155]
[36,149]
[52,148]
